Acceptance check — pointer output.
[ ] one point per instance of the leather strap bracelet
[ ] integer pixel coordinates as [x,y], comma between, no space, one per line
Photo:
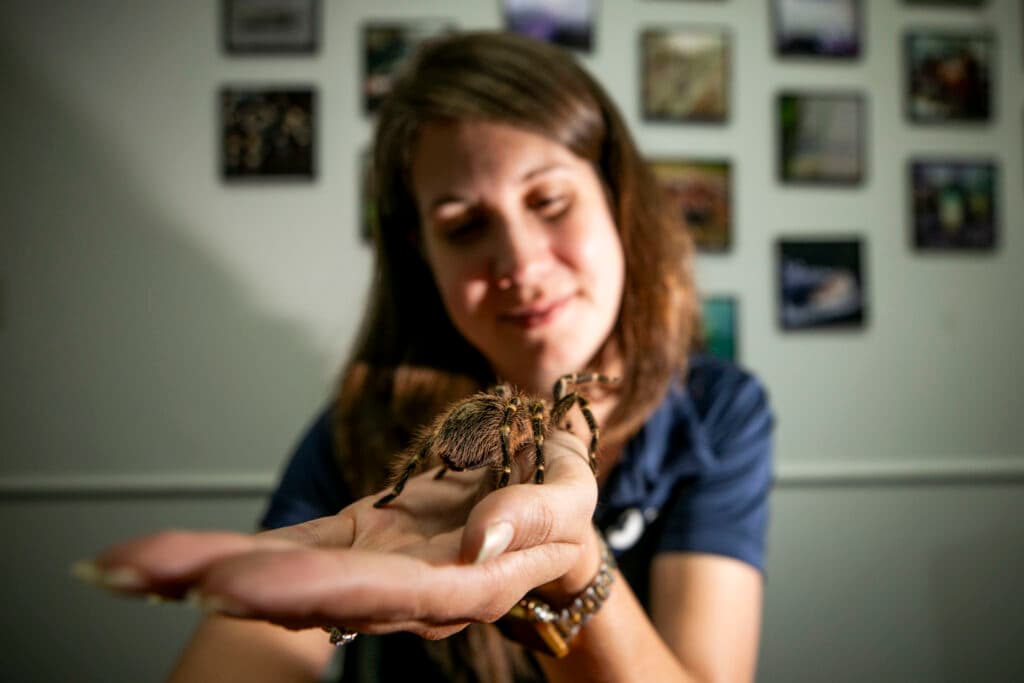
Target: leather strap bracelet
[538,626]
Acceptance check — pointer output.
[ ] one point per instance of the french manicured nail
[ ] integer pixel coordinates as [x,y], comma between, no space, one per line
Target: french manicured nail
[118,578]
[215,604]
[497,539]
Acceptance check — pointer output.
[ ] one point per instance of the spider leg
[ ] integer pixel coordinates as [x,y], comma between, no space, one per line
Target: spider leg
[406,473]
[537,421]
[561,388]
[506,427]
[562,407]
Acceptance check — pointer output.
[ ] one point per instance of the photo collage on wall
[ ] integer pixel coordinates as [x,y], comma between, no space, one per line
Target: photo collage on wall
[684,78]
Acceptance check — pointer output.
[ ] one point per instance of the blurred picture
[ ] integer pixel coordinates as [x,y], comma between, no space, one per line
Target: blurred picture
[569,23]
[948,76]
[267,133]
[271,26]
[685,74]
[698,194]
[821,284]
[719,336]
[821,138]
[386,46]
[954,204]
[817,28]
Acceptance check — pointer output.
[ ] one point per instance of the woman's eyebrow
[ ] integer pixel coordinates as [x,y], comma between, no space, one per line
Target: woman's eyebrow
[542,169]
[455,198]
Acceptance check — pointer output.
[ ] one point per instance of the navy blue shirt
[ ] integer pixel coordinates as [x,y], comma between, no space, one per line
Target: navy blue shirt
[695,478]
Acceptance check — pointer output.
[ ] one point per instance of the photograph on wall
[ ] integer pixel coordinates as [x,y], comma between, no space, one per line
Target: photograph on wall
[949,76]
[954,204]
[386,46]
[697,192]
[685,74]
[569,23]
[719,333]
[817,28]
[821,138]
[821,283]
[367,206]
[267,133]
[271,26]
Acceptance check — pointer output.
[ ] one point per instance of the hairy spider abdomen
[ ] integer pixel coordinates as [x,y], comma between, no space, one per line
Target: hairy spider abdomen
[469,436]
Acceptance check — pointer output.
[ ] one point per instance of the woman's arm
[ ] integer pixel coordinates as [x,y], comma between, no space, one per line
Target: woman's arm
[704,626]
[226,649]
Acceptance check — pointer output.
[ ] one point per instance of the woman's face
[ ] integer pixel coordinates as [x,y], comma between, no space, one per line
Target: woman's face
[521,242]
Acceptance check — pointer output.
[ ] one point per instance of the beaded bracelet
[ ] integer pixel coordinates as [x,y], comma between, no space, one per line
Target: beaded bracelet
[538,626]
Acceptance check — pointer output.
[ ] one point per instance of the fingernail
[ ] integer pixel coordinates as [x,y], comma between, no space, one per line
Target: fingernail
[497,539]
[215,604]
[118,578]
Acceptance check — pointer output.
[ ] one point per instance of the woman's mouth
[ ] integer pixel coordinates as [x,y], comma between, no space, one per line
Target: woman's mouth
[535,315]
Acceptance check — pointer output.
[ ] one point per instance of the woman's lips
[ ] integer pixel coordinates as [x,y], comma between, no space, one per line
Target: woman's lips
[536,315]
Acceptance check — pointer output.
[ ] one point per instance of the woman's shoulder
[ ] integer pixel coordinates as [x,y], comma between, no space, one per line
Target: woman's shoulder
[724,396]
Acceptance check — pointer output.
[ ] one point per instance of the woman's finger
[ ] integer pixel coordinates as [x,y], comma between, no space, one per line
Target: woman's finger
[167,562]
[312,587]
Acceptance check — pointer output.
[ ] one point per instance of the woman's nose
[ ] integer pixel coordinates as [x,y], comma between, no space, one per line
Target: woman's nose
[521,254]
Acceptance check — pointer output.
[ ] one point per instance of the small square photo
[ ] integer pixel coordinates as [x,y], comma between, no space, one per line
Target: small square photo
[685,74]
[821,284]
[949,76]
[954,204]
[821,138]
[267,133]
[271,26]
[719,336]
[386,46]
[569,23]
[817,28]
[697,192]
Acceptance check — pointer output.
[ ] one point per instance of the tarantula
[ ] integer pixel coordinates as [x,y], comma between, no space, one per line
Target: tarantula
[474,430]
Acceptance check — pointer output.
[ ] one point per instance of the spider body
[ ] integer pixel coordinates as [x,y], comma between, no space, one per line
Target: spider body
[489,429]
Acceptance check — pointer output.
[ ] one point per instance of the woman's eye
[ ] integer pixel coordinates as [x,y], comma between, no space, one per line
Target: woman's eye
[551,206]
[464,231]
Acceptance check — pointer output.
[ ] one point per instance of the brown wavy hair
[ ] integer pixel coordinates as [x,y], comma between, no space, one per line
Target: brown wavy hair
[409,361]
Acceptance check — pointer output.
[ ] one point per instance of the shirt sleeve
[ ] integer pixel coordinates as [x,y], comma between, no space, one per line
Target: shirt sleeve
[723,510]
[311,485]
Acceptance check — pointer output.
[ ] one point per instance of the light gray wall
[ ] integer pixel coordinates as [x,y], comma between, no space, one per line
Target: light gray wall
[164,337]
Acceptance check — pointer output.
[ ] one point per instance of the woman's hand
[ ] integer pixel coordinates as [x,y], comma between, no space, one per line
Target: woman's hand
[438,557]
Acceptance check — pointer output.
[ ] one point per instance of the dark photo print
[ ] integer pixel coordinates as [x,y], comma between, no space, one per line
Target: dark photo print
[821,284]
[954,204]
[267,133]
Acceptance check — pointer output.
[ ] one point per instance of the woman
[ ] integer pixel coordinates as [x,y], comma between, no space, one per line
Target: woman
[520,238]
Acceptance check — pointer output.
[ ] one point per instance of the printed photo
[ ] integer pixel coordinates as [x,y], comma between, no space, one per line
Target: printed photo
[821,138]
[817,28]
[386,46]
[685,74]
[719,336]
[949,76]
[954,204]
[697,192]
[821,284]
[569,23]
[267,133]
[271,26]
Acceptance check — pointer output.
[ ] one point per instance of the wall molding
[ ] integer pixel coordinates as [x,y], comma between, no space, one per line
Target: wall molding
[980,471]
